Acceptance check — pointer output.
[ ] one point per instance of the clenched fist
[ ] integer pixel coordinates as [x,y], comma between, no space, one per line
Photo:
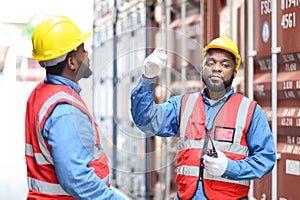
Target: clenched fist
[154,62]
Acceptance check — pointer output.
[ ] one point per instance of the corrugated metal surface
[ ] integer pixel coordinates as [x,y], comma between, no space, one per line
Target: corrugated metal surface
[288,84]
[288,99]
[262,73]
[128,152]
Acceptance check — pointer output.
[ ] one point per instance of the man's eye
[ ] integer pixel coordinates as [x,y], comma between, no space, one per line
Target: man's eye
[225,65]
[210,64]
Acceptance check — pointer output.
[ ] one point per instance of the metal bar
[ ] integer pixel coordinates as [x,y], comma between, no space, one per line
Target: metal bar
[146,138]
[231,19]
[275,51]
[168,83]
[251,54]
[183,42]
[115,95]
[251,51]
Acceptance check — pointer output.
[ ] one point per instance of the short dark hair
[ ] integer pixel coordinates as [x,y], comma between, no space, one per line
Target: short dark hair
[59,67]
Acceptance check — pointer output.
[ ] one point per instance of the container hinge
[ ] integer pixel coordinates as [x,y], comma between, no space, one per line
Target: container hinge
[275,49]
[251,53]
[278,156]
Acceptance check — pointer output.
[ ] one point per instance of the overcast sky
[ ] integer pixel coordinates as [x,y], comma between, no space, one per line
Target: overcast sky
[20,11]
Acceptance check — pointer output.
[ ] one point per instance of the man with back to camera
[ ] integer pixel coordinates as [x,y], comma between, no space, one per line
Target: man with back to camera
[63,153]
[225,138]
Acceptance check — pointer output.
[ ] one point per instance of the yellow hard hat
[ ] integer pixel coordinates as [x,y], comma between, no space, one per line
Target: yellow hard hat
[226,44]
[56,37]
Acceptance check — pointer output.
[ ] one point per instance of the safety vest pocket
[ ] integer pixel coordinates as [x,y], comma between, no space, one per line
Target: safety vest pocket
[186,186]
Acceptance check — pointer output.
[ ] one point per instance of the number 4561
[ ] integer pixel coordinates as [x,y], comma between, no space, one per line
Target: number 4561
[288,20]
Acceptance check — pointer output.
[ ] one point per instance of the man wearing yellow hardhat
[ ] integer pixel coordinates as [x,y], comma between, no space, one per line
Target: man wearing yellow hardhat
[63,154]
[225,139]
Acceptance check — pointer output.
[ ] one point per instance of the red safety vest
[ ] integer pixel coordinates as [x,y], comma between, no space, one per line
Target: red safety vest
[228,132]
[41,176]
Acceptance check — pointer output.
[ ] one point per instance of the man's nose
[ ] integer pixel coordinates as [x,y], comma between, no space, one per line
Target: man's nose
[217,67]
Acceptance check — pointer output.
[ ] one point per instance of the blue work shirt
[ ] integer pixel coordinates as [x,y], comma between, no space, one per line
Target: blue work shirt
[163,120]
[69,132]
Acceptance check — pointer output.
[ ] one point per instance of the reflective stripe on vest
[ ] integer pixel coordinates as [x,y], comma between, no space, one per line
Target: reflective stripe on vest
[40,159]
[45,188]
[222,145]
[51,188]
[229,147]
[188,170]
[43,156]
[219,178]
[187,112]
[238,121]
[194,171]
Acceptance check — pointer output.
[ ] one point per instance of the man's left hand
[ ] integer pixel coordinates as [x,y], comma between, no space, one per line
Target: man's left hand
[216,166]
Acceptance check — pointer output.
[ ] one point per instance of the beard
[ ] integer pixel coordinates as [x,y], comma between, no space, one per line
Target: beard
[217,87]
[84,71]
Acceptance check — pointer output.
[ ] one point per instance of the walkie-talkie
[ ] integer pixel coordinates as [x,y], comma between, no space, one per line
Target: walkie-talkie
[212,152]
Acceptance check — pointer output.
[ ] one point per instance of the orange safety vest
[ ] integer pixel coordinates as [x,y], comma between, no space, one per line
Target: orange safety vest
[41,176]
[228,133]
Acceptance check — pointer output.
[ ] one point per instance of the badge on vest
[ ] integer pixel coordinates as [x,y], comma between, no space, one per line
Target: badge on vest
[224,134]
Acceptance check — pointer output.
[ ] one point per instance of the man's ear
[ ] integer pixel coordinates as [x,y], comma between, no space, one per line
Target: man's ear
[71,63]
[234,73]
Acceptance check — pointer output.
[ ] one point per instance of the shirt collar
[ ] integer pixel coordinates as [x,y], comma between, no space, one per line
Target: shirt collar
[56,79]
[224,98]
